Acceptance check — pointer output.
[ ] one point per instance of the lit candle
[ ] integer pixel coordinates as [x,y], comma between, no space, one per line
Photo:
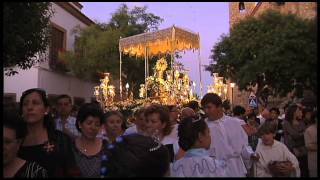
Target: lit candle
[96,90]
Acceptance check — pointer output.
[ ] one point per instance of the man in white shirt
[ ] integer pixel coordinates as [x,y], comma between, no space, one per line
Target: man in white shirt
[65,122]
[229,141]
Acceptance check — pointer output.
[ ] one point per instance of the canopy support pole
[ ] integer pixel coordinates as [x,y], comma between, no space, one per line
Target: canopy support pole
[145,72]
[201,92]
[173,41]
[120,82]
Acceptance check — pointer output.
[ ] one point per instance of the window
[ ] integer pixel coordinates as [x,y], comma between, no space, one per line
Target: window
[242,8]
[57,44]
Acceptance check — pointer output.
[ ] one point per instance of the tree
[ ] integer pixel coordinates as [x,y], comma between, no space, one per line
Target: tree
[25,33]
[95,52]
[275,52]
[96,49]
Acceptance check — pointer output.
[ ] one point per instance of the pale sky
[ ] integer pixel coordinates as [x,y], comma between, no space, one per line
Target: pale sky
[209,19]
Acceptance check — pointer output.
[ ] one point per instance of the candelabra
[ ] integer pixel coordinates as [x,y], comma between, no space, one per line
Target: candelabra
[104,93]
[218,86]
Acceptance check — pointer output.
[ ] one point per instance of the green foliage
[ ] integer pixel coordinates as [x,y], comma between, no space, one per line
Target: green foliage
[25,33]
[95,52]
[274,51]
[96,49]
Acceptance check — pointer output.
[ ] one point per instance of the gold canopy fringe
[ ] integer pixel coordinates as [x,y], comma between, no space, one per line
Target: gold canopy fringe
[163,41]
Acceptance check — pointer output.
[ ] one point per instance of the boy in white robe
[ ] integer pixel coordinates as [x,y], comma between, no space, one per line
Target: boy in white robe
[195,139]
[275,158]
[229,140]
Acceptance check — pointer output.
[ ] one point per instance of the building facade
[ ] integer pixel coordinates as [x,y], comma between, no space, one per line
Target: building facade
[241,10]
[46,75]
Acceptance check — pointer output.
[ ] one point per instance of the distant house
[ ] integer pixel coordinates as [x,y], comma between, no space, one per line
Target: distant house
[47,75]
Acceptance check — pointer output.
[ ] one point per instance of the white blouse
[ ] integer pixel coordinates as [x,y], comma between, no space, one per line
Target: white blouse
[200,165]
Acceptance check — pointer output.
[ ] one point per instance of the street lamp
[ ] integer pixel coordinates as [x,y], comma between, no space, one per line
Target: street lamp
[232,86]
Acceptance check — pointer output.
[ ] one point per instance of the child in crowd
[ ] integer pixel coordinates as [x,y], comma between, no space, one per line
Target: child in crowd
[195,139]
[275,158]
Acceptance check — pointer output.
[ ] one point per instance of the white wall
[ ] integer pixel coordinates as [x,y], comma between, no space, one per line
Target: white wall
[18,83]
[65,20]
[55,83]
[68,22]
[41,76]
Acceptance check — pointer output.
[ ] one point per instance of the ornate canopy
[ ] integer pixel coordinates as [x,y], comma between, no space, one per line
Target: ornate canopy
[162,41]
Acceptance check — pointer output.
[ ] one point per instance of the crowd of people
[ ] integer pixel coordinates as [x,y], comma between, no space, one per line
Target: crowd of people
[161,140]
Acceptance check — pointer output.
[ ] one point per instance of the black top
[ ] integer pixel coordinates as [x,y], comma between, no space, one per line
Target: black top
[54,155]
[31,170]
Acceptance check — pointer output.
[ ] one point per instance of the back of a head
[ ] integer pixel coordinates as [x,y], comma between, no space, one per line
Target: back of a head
[137,156]
[188,131]
[187,112]
[290,111]
[194,105]
[138,112]
[239,110]
[252,116]
[276,110]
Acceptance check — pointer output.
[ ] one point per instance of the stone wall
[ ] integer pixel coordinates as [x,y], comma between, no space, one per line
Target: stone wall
[302,9]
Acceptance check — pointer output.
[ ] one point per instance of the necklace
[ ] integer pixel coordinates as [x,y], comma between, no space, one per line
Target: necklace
[81,147]
[83,150]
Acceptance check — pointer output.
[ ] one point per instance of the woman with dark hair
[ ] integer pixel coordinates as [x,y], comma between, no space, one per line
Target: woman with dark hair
[43,144]
[14,130]
[114,125]
[195,139]
[135,155]
[294,127]
[308,116]
[88,148]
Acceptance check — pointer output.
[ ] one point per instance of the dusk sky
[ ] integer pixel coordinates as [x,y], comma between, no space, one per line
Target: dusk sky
[210,19]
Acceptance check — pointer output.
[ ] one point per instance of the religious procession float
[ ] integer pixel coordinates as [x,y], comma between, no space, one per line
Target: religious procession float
[168,85]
